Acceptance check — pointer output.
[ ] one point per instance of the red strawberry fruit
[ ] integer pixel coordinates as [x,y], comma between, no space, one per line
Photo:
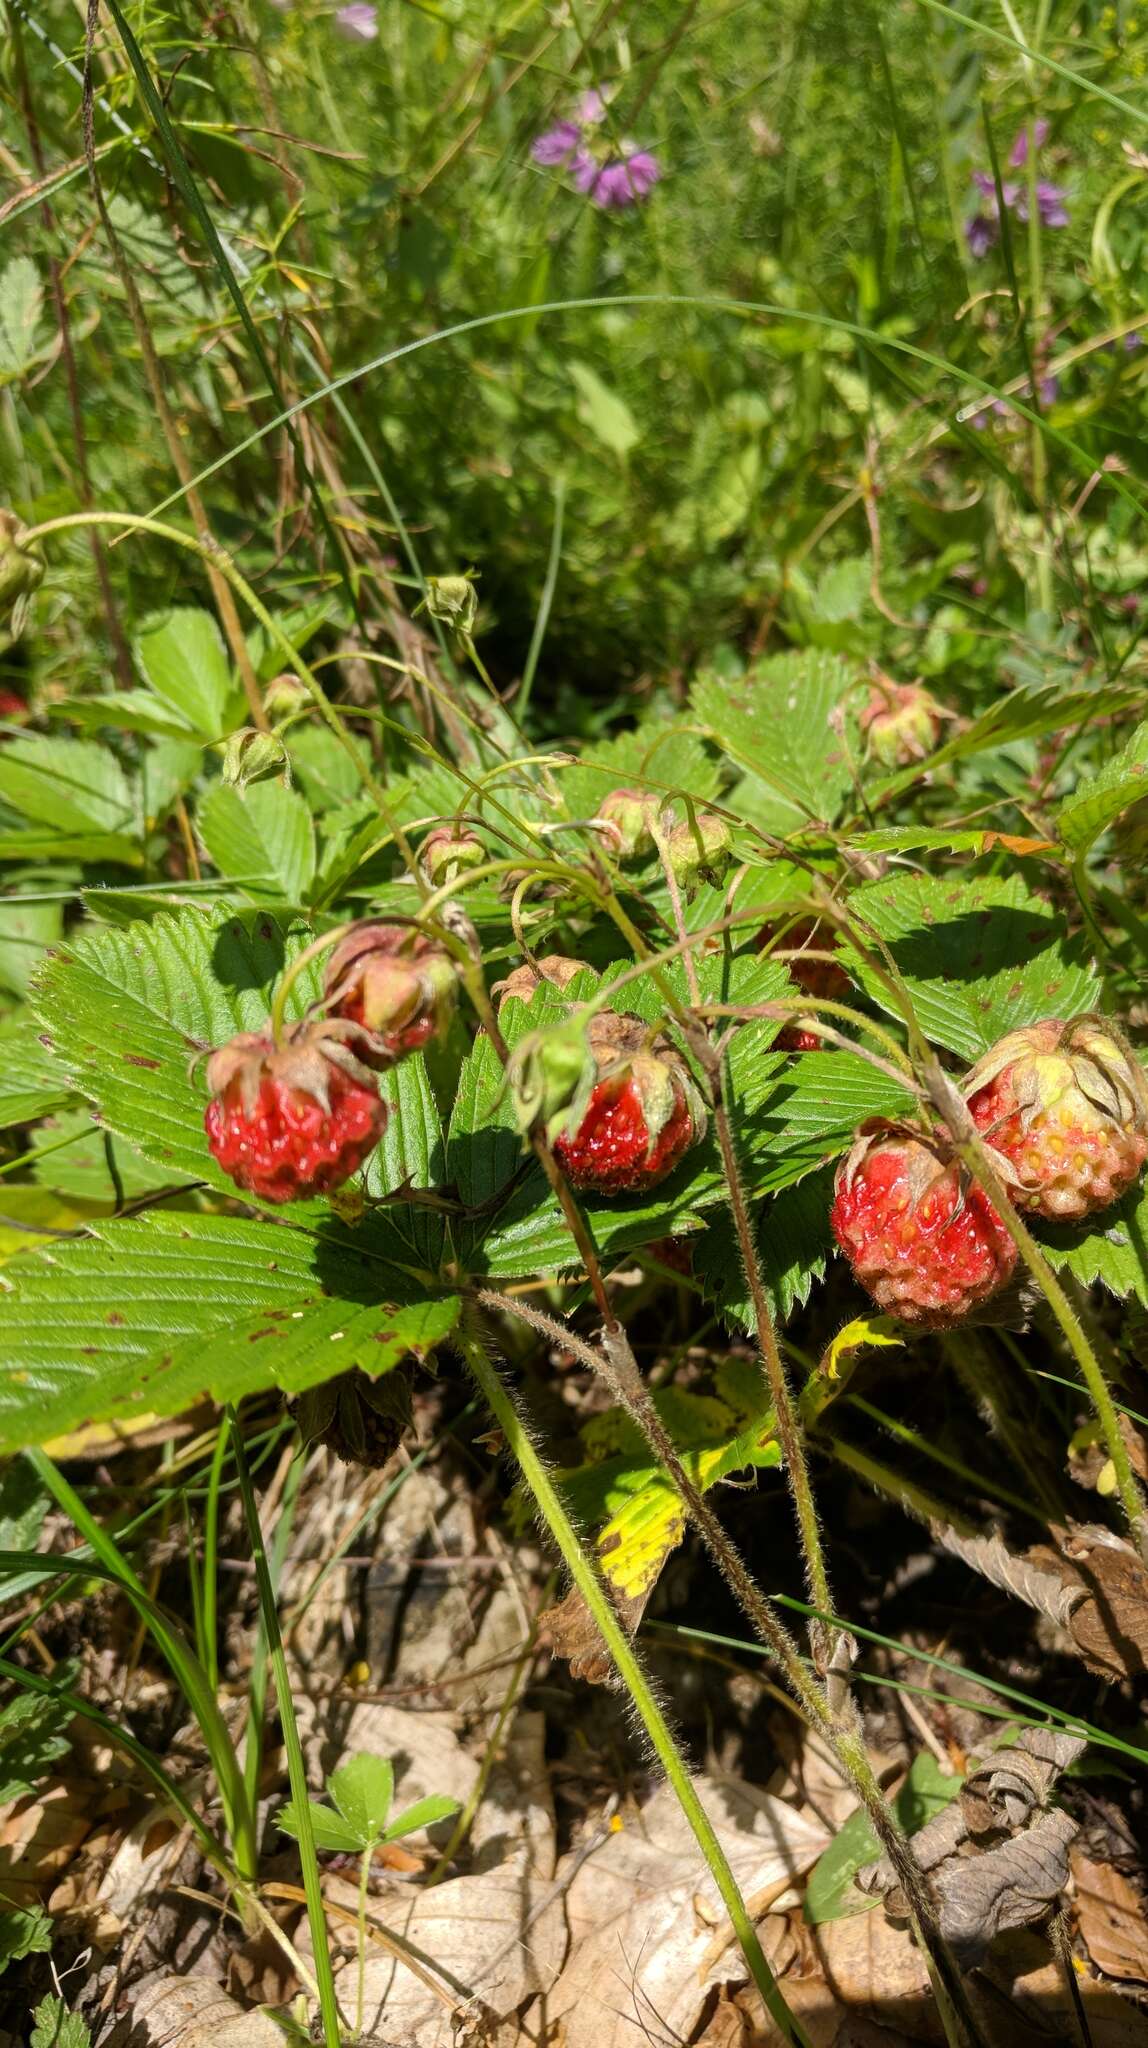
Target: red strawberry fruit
[397,981]
[1066,1104]
[927,1246]
[293,1119]
[643,1113]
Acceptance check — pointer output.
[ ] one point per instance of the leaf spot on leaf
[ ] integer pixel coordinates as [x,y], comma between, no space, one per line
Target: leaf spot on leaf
[139,1059]
[115,1318]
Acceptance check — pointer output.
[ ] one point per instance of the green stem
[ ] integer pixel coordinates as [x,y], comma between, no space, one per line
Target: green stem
[185,1665]
[296,1767]
[361,1978]
[633,1676]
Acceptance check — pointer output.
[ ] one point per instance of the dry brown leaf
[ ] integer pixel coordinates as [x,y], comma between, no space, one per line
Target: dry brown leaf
[1023,2000]
[192,2012]
[867,1961]
[649,1936]
[39,1836]
[1109,1620]
[1112,1918]
[573,1634]
[485,1942]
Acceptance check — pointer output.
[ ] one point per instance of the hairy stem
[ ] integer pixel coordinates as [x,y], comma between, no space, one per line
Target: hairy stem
[788,1426]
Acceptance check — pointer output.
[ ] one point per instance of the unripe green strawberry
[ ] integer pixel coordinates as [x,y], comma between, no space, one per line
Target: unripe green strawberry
[397,981]
[631,815]
[295,1118]
[901,723]
[699,850]
[449,851]
[642,1114]
[923,1241]
[1066,1105]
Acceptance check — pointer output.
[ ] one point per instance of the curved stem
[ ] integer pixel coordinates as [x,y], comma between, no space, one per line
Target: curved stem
[291,974]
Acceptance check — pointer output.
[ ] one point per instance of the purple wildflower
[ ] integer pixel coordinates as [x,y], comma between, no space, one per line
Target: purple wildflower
[1049,205]
[1018,154]
[358,21]
[986,183]
[982,234]
[622,184]
[591,109]
[558,144]
[1133,341]
[1048,387]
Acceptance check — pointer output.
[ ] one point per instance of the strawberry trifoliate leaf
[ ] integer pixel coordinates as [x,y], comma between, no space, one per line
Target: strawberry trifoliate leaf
[980,955]
[783,721]
[145,1316]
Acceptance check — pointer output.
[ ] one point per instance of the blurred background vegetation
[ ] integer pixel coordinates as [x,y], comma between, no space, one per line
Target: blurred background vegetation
[836,461]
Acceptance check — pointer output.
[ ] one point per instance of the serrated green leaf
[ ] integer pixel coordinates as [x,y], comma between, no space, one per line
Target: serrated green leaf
[261,836]
[32,1739]
[423,1814]
[980,956]
[329,1829]
[175,988]
[297,1347]
[25,930]
[181,652]
[324,769]
[24,1504]
[658,757]
[794,1241]
[127,711]
[117,1323]
[1101,798]
[72,786]
[782,721]
[1111,1248]
[411,1154]
[24,1931]
[362,1791]
[31,1084]
[1020,715]
[55,2027]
